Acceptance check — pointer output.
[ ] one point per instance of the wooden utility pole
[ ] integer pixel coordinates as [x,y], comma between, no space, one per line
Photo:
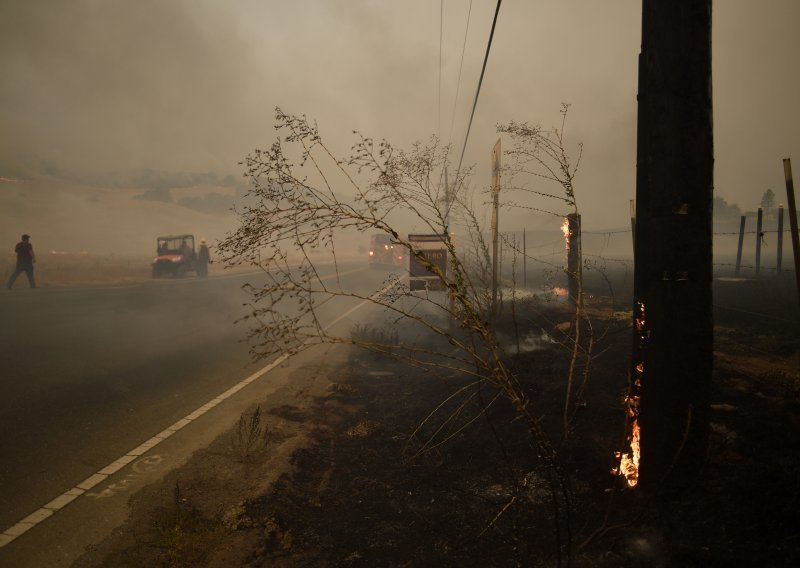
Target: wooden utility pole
[673,326]
[495,208]
[524,259]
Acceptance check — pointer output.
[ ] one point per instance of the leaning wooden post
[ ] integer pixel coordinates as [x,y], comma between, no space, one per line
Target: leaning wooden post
[779,264]
[759,226]
[787,172]
[741,243]
[633,224]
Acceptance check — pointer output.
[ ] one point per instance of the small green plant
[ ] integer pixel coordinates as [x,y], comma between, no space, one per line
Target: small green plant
[251,436]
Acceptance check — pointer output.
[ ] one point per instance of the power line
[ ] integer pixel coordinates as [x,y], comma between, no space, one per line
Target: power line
[460,67]
[480,82]
[441,28]
[478,91]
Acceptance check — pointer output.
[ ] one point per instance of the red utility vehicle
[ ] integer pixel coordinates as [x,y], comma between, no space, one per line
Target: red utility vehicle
[176,256]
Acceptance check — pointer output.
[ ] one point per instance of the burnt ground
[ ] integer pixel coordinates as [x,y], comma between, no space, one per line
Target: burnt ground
[380,481]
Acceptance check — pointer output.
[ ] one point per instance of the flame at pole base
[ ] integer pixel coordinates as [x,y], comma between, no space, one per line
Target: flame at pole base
[629,461]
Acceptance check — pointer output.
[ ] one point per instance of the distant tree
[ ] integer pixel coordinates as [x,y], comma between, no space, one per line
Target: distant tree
[156,194]
[723,209]
[768,200]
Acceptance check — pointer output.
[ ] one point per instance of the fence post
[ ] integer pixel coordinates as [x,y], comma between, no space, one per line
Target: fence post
[574,257]
[780,239]
[787,172]
[759,225]
[741,242]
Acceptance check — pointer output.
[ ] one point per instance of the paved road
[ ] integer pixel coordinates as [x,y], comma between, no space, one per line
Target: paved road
[89,373]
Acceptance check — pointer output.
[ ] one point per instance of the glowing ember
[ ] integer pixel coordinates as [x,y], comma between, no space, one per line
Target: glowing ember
[565,228]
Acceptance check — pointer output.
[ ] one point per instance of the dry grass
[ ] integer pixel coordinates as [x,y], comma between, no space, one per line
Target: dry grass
[55,270]
[60,269]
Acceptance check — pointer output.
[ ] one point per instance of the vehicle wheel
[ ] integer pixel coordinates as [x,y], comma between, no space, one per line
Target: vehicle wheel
[156,272]
[180,272]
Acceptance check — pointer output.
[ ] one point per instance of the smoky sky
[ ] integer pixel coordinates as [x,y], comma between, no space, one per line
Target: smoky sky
[190,85]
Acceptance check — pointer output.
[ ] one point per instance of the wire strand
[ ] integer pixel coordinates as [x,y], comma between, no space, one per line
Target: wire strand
[458,81]
[441,33]
[477,92]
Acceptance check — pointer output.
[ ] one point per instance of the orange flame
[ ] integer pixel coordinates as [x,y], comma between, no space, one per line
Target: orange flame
[629,461]
[565,227]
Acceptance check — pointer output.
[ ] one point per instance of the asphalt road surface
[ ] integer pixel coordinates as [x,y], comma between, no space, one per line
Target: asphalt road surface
[88,373]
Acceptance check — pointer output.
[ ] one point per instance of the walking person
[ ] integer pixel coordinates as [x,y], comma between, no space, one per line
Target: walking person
[25,260]
[203,259]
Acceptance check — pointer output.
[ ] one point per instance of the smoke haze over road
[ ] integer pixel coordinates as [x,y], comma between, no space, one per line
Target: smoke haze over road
[190,86]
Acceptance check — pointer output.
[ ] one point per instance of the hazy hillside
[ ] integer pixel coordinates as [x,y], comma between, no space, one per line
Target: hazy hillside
[72,216]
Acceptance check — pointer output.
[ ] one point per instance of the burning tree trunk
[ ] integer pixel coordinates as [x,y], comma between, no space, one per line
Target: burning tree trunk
[673,341]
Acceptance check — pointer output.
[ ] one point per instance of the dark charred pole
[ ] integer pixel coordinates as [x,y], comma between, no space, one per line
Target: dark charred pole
[574,257]
[787,172]
[673,331]
[633,224]
[759,236]
[779,263]
[741,244]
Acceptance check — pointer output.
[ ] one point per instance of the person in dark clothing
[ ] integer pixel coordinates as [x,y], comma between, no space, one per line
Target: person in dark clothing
[25,260]
[203,259]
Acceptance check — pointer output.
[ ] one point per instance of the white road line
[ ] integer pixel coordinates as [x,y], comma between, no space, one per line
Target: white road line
[70,495]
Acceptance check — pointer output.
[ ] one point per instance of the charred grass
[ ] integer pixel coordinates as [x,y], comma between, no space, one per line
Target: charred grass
[370,489]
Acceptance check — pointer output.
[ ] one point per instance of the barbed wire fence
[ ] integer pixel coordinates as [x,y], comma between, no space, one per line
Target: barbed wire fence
[612,251]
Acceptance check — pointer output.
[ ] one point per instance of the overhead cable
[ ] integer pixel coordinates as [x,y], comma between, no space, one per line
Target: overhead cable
[477,92]
[460,67]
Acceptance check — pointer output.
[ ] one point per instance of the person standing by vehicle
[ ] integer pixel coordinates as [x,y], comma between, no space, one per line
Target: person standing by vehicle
[203,259]
[186,250]
[25,260]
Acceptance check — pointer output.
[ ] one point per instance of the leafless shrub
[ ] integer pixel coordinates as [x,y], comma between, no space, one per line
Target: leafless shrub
[300,207]
[541,165]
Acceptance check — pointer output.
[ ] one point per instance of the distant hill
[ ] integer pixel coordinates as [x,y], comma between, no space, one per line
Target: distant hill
[68,215]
